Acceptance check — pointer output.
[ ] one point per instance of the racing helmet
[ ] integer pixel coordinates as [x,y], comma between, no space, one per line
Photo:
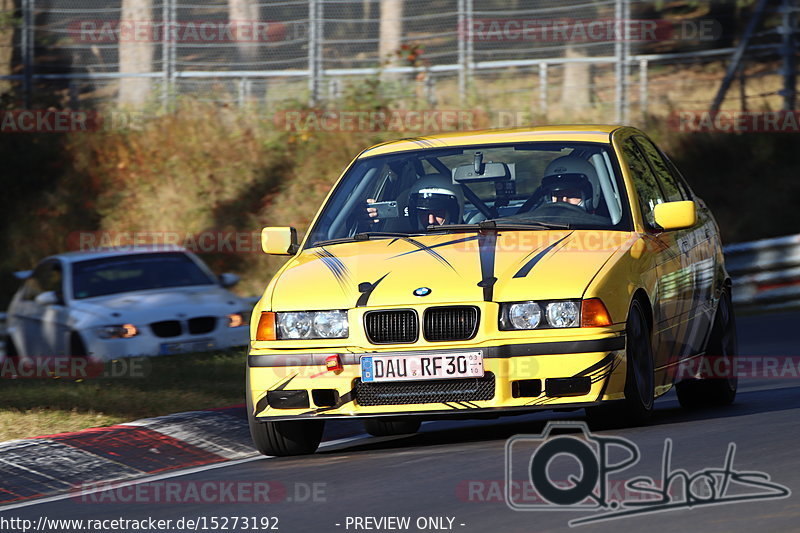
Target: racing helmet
[573,177]
[437,194]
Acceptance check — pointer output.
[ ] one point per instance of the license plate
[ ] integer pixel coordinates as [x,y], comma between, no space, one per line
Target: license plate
[202,345]
[420,367]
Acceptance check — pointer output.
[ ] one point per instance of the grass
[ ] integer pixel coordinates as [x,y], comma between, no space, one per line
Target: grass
[159,386]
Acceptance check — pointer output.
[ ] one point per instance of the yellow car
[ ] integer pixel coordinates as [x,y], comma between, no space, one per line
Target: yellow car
[489,273]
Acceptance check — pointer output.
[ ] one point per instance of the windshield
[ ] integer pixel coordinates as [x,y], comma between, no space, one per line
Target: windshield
[544,185]
[112,275]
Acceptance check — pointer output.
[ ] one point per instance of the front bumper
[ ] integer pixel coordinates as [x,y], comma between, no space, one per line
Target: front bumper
[292,384]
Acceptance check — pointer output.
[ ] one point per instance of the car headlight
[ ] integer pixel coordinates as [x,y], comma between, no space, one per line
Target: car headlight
[524,315]
[312,325]
[564,314]
[540,315]
[236,320]
[124,331]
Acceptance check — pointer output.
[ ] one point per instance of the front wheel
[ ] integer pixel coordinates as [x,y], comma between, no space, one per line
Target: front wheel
[723,344]
[286,437]
[637,407]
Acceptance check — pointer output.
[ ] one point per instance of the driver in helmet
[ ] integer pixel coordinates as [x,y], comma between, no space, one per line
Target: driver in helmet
[434,200]
[571,180]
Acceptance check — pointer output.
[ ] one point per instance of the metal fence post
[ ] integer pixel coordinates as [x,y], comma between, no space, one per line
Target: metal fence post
[470,44]
[165,62]
[543,88]
[27,45]
[313,52]
[619,53]
[643,88]
[463,33]
[787,31]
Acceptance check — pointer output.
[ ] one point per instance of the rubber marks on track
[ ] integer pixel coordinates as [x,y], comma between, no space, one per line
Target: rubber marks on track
[54,464]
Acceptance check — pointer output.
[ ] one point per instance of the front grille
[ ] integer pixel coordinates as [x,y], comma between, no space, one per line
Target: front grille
[166,328]
[202,324]
[450,323]
[434,391]
[391,327]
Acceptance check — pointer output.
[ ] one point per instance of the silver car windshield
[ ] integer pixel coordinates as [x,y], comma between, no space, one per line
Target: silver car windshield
[136,272]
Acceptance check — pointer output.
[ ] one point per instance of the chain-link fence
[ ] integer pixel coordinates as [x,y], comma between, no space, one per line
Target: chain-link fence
[620,56]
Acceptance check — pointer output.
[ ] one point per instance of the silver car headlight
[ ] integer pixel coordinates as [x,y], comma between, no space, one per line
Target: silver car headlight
[540,315]
[312,325]
[124,331]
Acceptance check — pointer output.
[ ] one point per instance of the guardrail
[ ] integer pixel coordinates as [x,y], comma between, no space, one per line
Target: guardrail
[766,273]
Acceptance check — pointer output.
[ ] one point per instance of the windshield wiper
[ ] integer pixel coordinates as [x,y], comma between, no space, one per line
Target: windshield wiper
[494,225]
[365,236]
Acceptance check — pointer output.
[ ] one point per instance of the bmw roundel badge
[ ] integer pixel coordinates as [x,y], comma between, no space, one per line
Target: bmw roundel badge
[422,291]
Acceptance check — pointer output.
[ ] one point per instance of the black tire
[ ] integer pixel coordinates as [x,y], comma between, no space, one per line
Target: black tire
[10,348]
[379,427]
[284,438]
[291,437]
[76,346]
[637,407]
[722,342]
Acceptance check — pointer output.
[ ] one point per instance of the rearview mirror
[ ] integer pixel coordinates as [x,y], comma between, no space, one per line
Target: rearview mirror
[491,172]
[675,215]
[47,298]
[228,280]
[279,240]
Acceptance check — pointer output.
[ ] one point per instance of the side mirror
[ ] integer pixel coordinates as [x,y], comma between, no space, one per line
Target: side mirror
[228,280]
[675,215]
[279,240]
[47,298]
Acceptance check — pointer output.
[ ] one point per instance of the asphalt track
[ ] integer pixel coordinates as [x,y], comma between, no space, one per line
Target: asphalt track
[456,470]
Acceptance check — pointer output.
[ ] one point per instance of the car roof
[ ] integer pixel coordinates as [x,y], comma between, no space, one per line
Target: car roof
[116,251]
[598,133]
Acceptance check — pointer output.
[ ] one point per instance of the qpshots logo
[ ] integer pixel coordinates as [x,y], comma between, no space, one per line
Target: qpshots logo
[571,469]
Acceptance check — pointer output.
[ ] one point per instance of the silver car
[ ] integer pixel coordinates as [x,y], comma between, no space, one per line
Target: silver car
[126,302]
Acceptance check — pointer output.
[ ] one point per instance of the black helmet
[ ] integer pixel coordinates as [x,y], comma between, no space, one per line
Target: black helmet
[436,194]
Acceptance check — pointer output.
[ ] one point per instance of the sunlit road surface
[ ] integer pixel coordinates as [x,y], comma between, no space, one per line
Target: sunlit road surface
[450,477]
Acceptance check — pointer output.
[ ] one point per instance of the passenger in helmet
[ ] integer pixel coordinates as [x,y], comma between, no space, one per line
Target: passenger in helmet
[434,200]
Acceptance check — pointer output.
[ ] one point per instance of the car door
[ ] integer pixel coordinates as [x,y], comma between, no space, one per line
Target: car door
[694,285]
[670,264]
[44,327]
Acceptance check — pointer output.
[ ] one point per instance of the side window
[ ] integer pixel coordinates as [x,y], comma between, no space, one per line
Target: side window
[672,188]
[646,186]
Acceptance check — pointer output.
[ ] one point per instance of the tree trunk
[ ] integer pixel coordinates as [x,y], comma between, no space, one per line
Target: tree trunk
[135,55]
[576,92]
[244,11]
[391,31]
[6,42]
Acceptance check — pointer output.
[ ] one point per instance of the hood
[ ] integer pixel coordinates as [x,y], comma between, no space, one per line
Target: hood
[457,267]
[161,304]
